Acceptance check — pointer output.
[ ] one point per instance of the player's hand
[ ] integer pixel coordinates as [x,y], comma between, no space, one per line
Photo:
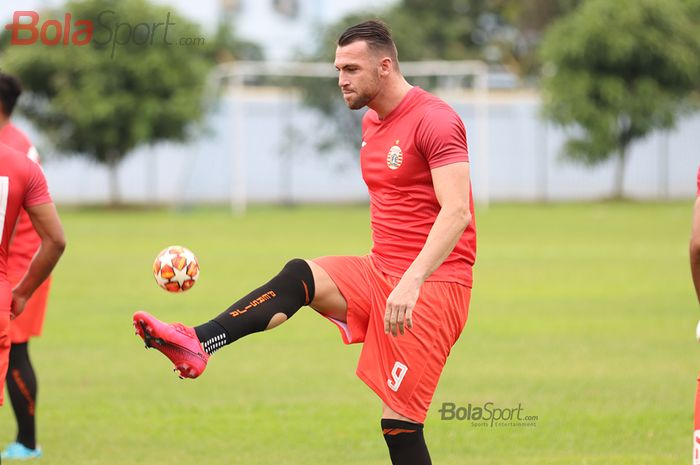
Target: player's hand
[18,304]
[399,308]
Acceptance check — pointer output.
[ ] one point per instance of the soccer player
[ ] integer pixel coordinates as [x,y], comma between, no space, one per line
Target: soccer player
[22,185]
[21,379]
[407,300]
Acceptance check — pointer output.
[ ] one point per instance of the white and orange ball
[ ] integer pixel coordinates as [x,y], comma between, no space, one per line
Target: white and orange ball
[176,269]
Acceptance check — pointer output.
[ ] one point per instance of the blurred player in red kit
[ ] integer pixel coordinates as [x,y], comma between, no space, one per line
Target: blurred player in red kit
[24,241]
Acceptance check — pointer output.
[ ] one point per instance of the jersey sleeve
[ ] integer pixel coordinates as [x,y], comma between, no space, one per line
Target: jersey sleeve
[37,189]
[442,138]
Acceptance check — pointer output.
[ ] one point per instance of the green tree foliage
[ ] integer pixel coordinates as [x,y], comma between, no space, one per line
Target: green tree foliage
[132,84]
[618,71]
[522,25]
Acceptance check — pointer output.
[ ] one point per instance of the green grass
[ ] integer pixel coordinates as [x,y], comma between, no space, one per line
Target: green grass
[583,313]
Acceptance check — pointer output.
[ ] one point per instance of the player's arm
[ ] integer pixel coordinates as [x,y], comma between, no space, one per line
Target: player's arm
[48,226]
[695,248]
[451,184]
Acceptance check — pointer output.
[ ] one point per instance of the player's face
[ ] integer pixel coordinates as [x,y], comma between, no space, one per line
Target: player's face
[358,74]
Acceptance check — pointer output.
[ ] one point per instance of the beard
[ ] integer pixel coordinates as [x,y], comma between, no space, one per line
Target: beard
[360,98]
[357,101]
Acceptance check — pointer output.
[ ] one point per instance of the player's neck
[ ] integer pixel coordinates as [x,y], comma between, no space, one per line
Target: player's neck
[391,96]
[4,121]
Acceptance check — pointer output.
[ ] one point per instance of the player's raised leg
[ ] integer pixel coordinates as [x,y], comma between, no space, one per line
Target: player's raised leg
[298,284]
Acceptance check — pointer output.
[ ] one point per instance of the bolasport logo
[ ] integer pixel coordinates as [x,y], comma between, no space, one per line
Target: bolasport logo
[107,30]
[488,414]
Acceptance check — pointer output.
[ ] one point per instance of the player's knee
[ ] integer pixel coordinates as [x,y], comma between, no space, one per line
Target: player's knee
[296,266]
[18,354]
[298,270]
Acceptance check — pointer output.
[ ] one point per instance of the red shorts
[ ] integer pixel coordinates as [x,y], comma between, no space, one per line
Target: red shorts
[404,370]
[31,320]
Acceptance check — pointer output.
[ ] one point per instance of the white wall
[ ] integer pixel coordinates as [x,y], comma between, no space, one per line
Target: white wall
[522,163]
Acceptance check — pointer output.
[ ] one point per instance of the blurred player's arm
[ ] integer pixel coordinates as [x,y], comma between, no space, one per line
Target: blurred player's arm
[695,248]
[451,184]
[53,242]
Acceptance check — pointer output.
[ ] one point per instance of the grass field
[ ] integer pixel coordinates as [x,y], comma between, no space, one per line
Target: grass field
[584,314]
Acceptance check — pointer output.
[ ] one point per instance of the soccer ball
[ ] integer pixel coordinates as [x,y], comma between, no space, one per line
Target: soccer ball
[176,269]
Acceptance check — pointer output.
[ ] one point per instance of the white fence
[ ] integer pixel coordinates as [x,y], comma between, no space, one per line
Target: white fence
[517,157]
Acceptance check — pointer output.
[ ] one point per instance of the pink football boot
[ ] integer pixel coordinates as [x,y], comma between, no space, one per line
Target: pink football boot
[176,341]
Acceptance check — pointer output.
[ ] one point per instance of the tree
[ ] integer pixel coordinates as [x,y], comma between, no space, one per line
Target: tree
[522,26]
[132,84]
[618,71]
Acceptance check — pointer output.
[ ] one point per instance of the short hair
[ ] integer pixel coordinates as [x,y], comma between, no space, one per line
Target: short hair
[10,90]
[376,33]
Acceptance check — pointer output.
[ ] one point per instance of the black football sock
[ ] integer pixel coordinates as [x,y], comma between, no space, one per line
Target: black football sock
[22,388]
[406,442]
[286,293]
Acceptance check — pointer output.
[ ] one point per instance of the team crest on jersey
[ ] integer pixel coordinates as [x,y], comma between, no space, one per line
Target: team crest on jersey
[394,158]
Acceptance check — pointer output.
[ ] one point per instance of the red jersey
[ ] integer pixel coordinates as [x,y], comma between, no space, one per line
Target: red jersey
[396,157]
[22,185]
[25,241]
[698,181]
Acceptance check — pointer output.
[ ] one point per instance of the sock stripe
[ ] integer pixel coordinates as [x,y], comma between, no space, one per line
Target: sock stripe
[24,390]
[395,431]
[306,292]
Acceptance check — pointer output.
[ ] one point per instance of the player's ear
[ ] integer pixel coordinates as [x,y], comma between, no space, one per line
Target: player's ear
[386,64]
